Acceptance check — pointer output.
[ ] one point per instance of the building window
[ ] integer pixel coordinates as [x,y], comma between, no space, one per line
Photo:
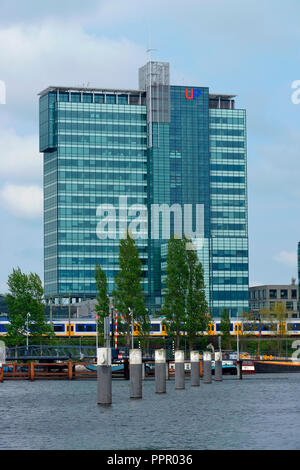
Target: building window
[110,99]
[75,97]
[273,294]
[99,98]
[123,99]
[289,305]
[283,293]
[87,98]
[63,96]
[134,99]
[294,294]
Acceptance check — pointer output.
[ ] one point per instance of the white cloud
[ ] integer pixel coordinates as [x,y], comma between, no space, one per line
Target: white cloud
[22,201]
[287,258]
[19,156]
[61,53]
[274,168]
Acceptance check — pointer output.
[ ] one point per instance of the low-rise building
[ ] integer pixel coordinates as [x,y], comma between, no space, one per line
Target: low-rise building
[268,295]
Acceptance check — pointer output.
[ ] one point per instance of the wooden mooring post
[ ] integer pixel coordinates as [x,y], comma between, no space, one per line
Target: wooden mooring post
[70,370]
[31,371]
[201,368]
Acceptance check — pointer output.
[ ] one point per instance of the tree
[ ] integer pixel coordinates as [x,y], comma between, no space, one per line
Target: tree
[145,325]
[225,329]
[177,273]
[128,293]
[279,314]
[197,317]
[25,296]
[257,318]
[102,304]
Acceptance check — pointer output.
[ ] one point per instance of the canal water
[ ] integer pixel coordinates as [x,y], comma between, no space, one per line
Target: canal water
[258,412]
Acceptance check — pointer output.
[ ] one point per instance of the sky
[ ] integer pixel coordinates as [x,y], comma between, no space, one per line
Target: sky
[249,48]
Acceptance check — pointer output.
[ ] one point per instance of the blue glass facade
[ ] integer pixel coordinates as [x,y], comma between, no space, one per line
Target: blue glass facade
[154,146]
[95,150]
[228,210]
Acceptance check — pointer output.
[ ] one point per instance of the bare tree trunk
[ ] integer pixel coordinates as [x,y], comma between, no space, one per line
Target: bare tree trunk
[128,336]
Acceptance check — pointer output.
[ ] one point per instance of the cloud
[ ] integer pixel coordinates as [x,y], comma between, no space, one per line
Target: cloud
[274,167]
[287,258]
[20,157]
[22,201]
[59,53]
[13,11]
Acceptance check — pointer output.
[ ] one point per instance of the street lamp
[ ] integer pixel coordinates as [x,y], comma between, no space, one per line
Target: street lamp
[97,318]
[237,338]
[27,326]
[69,312]
[132,339]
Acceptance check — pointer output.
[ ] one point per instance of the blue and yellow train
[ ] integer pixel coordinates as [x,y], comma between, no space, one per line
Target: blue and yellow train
[158,328]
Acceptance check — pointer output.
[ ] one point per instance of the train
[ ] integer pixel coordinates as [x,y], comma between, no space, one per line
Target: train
[158,328]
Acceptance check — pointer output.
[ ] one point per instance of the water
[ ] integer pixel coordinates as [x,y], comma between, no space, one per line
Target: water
[259,412]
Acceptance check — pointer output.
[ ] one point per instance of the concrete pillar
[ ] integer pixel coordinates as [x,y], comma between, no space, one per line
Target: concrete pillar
[218,366]
[104,376]
[179,370]
[136,373]
[195,369]
[160,371]
[207,367]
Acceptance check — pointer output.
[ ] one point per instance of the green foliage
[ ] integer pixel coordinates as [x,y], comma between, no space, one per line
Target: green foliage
[25,296]
[225,329]
[185,305]
[197,317]
[177,274]
[128,293]
[102,304]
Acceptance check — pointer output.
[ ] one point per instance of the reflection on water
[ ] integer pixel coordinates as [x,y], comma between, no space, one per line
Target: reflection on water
[259,412]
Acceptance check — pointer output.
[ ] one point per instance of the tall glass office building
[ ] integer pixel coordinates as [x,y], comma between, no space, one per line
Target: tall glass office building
[160,144]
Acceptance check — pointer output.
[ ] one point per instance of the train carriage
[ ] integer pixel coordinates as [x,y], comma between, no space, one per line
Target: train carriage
[158,328]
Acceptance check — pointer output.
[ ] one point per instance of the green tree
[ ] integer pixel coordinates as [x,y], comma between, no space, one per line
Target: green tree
[177,273]
[225,329]
[197,317]
[128,294]
[25,296]
[279,313]
[256,319]
[102,304]
[145,325]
